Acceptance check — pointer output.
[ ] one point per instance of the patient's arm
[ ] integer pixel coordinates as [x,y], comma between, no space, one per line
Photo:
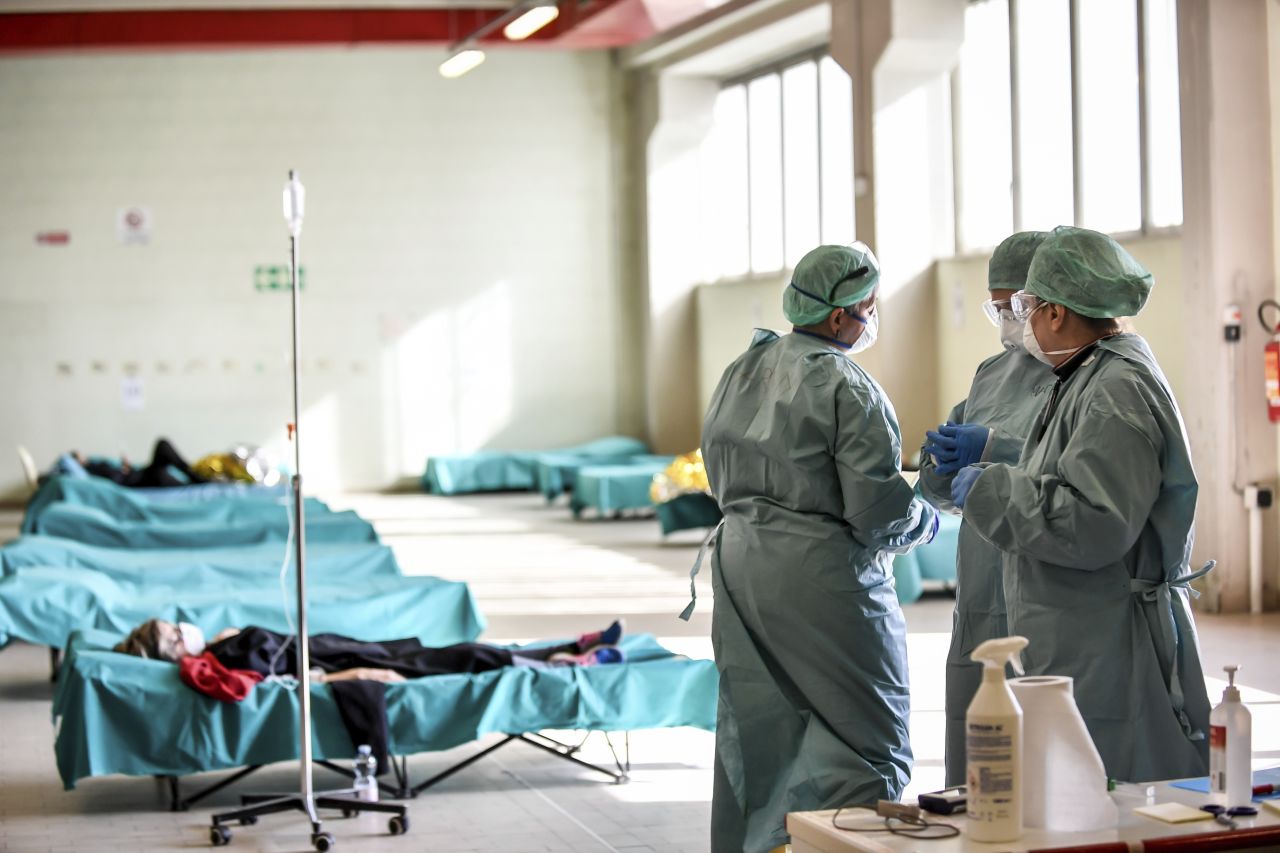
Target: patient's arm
[225,633]
[365,673]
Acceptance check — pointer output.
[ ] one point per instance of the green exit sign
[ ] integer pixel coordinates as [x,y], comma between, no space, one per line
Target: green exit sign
[272,277]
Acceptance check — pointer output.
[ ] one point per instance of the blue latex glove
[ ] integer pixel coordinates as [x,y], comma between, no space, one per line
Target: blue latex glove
[933,530]
[962,483]
[955,446]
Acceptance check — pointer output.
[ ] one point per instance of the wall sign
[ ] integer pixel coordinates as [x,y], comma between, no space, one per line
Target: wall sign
[133,226]
[131,397]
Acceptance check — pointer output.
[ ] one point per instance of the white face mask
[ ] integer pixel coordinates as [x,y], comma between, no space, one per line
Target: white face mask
[870,331]
[192,638]
[1011,331]
[1032,344]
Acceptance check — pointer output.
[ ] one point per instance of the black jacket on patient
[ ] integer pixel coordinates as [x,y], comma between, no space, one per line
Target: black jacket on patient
[254,647]
[361,704]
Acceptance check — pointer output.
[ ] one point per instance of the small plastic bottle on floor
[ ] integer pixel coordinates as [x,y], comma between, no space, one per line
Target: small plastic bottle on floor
[366,769]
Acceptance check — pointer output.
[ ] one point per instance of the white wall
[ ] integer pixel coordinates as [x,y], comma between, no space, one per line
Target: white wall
[460,250]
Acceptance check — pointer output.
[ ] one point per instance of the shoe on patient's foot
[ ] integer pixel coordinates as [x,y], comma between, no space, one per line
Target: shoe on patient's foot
[608,637]
[599,656]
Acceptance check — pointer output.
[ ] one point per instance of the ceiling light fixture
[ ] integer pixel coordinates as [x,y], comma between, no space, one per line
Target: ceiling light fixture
[533,19]
[519,22]
[460,62]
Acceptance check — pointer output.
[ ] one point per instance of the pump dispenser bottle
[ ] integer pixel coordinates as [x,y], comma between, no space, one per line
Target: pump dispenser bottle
[993,742]
[1231,748]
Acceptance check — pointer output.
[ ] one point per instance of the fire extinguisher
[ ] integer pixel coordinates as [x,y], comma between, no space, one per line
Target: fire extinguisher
[1272,358]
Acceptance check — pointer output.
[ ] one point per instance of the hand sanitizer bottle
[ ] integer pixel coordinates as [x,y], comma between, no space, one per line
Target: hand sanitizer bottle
[993,741]
[1231,748]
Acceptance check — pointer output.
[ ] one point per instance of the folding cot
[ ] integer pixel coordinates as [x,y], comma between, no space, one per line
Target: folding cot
[43,605]
[688,512]
[557,473]
[125,504]
[614,488]
[120,714]
[500,470]
[94,526]
[191,567]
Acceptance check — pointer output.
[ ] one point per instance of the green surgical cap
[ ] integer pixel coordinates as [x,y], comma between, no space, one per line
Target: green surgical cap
[824,279]
[1089,273]
[1012,259]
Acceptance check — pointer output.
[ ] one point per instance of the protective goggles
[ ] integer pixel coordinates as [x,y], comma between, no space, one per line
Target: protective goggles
[1024,304]
[993,307]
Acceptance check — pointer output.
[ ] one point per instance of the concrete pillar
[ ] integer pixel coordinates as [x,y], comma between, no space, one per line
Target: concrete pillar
[1229,257]
[677,115]
[899,54]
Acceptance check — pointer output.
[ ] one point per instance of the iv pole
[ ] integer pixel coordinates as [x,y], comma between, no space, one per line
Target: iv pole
[306,800]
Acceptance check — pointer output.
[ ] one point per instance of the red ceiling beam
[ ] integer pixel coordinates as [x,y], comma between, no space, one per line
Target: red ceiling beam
[230,28]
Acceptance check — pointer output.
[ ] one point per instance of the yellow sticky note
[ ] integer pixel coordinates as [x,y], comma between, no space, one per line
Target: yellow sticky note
[1274,805]
[1173,813]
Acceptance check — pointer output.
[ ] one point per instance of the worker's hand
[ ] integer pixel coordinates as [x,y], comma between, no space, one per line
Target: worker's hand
[955,446]
[962,484]
[366,673]
[225,634]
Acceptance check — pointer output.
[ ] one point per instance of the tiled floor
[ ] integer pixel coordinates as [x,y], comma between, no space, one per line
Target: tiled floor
[536,573]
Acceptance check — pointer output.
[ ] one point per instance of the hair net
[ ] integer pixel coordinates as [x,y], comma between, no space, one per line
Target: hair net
[1011,259]
[1089,273]
[827,278]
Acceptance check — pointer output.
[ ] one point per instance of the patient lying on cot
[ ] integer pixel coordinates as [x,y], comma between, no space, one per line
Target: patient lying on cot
[357,672]
[159,473]
[336,658]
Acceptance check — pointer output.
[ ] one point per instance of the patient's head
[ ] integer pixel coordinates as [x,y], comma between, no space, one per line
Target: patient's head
[160,640]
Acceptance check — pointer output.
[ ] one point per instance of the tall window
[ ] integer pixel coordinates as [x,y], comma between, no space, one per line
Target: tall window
[1107,69]
[1051,101]
[1043,38]
[779,159]
[984,147]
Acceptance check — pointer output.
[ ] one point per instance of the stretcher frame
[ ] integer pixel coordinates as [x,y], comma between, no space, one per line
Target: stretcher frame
[405,789]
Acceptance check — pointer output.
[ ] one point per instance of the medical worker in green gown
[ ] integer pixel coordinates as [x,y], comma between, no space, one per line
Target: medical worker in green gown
[1095,521]
[990,425]
[803,455]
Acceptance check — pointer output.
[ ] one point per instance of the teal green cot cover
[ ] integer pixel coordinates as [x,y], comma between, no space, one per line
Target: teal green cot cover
[500,470]
[43,605]
[196,567]
[613,488]
[197,492]
[557,473]
[115,713]
[688,512]
[126,505]
[93,526]
[935,561]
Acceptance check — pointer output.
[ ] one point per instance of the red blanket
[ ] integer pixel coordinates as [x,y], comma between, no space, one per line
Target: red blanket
[206,674]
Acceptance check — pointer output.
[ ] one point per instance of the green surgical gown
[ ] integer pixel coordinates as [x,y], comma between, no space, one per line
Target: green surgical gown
[803,454]
[1095,524]
[1007,394]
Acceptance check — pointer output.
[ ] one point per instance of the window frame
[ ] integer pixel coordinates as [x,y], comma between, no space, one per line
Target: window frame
[814,55]
[1146,229]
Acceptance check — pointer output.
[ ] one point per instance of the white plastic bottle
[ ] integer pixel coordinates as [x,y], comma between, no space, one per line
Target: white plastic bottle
[993,743]
[1231,748]
[366,769]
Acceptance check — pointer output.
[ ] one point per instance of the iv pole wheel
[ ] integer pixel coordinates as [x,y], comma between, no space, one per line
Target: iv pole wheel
[323,842]
[398,825]
[219,835]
